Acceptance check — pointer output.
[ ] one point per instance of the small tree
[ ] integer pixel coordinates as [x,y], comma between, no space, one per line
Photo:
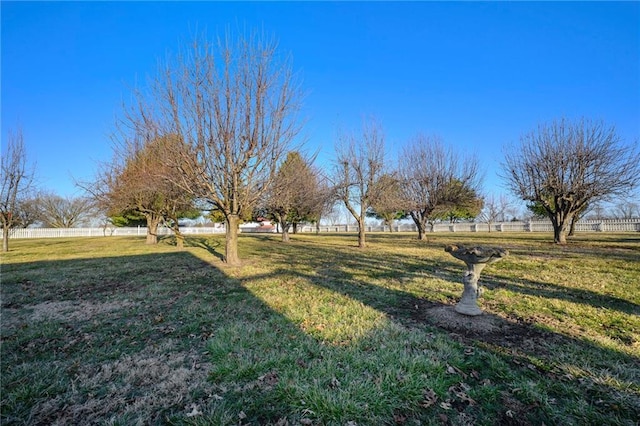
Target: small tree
[323,202]
[294,193]
[387,206]
[465,205]
[16,180]
[137,182]
[359,169]
[434,180]
[566,165]
[496,208]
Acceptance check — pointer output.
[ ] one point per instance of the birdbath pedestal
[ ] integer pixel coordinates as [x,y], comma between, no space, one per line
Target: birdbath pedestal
[476,258]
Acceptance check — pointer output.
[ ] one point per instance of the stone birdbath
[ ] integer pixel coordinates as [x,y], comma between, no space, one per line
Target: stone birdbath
[476,259]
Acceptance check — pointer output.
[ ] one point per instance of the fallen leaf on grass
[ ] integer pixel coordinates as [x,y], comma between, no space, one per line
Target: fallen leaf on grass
[270,379]
[399,418]
[456,370]
[335,383]
[445,405]
[194,411]
[460,391]
[430,398]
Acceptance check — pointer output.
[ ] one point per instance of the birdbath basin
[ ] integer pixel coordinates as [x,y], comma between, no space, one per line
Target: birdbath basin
[476,258]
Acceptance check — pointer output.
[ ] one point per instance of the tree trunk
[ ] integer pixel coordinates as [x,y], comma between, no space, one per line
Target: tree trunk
[559,229]
[421,225]
[285,233]
[362,243]
[390,223]
[231,248]
[152,228]
[179,236]
[5,238]
[179,240]
[572,226]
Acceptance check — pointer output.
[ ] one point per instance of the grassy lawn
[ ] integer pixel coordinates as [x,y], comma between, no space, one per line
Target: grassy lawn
[318,332]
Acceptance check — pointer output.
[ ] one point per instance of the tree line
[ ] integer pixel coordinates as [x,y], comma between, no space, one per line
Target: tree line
[216,130]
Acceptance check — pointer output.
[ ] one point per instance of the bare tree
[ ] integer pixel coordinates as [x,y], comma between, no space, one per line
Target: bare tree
[323,200]
[234,105]
[27,211]
[435,179]
[294,195]
[17,180]
[387,206]
[360,166]
[596,211]
[333,214]
[63,212]
[495,209]
[566,165]
[627,210]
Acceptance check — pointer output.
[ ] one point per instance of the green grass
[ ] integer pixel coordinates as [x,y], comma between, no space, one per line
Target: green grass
[112,331]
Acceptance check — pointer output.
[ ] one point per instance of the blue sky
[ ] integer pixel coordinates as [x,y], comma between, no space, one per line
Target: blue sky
[477,74]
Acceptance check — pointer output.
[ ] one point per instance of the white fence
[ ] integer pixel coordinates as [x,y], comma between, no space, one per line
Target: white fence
[607,225]
[106,232]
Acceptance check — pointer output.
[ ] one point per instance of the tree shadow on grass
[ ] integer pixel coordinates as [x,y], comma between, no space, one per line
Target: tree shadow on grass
[212,245]
[148,339]
[515,335]
[132,344]
[394,267]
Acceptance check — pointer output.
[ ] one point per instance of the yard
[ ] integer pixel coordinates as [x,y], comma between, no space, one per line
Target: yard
[108,330]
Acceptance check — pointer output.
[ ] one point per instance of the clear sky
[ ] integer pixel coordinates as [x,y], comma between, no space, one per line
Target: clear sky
[477,74]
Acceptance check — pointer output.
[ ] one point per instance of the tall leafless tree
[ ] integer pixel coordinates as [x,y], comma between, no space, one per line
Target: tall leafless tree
[360,166]
[565,165]
[435,179]
[234,104]
[16,180]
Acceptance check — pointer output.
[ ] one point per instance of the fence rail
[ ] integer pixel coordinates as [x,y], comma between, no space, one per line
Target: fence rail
[607,225]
